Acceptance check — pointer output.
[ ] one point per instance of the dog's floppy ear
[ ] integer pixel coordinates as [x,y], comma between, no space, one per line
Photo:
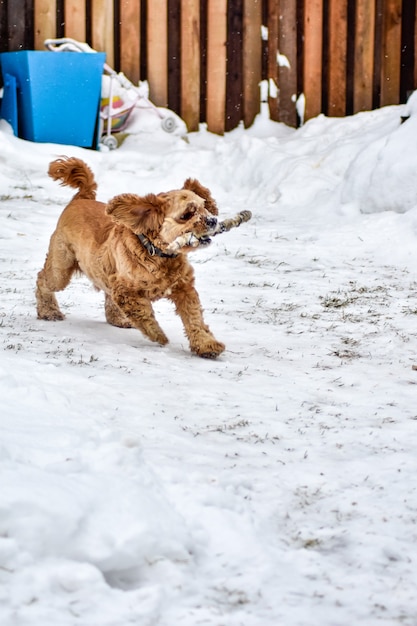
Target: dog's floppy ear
[140,214]
[192,184]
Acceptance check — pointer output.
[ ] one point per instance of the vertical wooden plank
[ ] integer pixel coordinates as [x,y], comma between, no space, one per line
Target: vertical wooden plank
[3,27]
[75,19]
[350,55]
[264,39]
[158,51]
[234,52]
[391,52]
[143,70]
[287,68]
[190,63]
[376,88]
[216,64]
[364,55]
[252,59]
[407,50]
[17,26]
[203,56]
[102,28]
[272,61]
[60,19]
[415,51]
[312,57]
[45,21]
[337,57]
[174,55]
[130,39]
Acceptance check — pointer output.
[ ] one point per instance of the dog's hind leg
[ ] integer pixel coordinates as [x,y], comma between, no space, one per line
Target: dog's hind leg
[114,315]
[139,312]
[59,266]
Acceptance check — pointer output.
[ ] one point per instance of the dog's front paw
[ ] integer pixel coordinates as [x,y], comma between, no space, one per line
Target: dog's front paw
[158,337]
[209,350]
[51,316]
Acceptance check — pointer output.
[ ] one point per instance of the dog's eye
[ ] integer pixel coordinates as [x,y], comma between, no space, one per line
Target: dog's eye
[188,214]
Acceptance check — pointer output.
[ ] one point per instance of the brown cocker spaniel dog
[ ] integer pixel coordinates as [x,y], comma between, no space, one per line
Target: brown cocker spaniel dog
[122,248]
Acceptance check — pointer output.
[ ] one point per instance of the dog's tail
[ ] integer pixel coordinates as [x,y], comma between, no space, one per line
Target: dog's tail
[74,173]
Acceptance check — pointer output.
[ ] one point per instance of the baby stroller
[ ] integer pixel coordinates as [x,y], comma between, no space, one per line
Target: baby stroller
[119,97]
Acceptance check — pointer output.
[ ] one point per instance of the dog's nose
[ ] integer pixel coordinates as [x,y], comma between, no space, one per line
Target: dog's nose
[211,222]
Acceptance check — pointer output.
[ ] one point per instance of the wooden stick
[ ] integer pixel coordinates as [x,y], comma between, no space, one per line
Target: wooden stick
[189,239]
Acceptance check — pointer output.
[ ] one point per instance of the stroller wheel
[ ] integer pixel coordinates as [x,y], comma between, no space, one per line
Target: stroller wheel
[169,124]
[110,142]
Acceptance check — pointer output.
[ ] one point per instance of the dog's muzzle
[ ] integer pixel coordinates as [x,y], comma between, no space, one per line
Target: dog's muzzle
[211,223]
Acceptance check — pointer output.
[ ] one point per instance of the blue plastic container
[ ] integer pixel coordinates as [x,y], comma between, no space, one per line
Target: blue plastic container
[53,96]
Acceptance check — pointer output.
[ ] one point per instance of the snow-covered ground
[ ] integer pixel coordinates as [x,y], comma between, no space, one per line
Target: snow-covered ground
[275,486]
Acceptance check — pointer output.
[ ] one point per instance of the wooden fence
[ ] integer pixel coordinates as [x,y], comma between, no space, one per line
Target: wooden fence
[204,59]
